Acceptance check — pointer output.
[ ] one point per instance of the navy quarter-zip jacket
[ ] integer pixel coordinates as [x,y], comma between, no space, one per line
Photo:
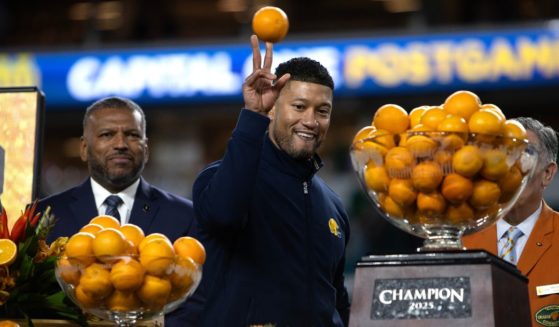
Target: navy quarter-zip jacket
[275,236]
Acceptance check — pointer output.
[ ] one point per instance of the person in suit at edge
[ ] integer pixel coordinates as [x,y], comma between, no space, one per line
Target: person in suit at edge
[115,147]
[535,247]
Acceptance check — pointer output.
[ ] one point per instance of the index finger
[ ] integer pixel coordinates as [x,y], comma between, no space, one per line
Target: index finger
[256,57]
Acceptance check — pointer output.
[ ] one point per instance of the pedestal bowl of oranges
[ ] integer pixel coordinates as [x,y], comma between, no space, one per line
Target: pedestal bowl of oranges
[439,172]
[119,274]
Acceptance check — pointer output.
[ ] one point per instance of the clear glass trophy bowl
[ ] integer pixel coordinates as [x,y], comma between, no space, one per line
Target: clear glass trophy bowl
[111,288]
[442,185]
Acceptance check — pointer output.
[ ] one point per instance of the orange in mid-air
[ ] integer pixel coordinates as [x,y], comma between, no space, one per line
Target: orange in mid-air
[270,24]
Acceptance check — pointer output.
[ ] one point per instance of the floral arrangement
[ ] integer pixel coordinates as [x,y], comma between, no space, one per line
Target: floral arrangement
[28,286]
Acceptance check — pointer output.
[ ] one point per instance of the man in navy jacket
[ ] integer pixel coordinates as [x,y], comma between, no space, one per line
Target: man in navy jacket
[115,147]
[275,233]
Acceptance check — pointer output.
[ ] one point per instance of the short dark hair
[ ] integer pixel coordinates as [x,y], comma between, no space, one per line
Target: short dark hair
[304,69]
[115,103]
[547,137]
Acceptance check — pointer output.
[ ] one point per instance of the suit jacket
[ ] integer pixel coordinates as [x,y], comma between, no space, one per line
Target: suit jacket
[154,210]
[539,260]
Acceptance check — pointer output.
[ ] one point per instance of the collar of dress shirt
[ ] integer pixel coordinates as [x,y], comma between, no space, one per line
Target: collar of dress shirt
[127,195]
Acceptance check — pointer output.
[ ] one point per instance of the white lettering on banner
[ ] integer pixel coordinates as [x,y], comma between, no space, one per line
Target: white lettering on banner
[329,57]
[445,294]
[174,75]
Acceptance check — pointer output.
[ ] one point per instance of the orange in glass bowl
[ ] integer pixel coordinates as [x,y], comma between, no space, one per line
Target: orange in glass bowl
[441,185]
[120,288]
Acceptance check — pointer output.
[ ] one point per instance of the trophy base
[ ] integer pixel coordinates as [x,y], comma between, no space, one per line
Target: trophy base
[463,288]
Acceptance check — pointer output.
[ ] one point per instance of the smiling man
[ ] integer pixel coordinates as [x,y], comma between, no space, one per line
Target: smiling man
[275,233]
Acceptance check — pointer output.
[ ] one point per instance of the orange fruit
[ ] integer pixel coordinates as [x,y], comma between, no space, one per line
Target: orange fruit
[415,115]
[467,161]
[512,129]
[453,142]
[421,146]
[376,178]
[431,204]
[402,192]
[131,249]
[8,252]
[270,24]
[494,164]
[132,233]
[427,176]
[157,256]
[91,228]
[362,134]
[8,323]
[486,121]
[459,213]
[392,118]
[79,249]
[398,162]
[184,273]
[485,194]
[510,183]
[392,208]
[127,274]
[462,103]
[96,281]
[444,159]
[154,292]
[70,273]
[109,243]
[421,128]
[123,301]
[150,237]
[457,188]
[432,117]
[106,221]
[455,124]
[495,109]
[189,247]
[403,139]
[84,299]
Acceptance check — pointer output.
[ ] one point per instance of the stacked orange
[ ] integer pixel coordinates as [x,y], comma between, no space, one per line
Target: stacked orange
[452,163]
[118,268]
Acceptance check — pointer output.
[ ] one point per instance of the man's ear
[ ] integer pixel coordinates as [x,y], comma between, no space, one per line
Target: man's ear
[146,156]
[272,113]
[83,149]
[549,173]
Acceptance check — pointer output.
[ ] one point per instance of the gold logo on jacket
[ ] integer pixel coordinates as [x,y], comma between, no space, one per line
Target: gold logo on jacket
[334,228]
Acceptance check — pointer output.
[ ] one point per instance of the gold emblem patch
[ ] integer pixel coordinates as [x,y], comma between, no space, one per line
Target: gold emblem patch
[334,228]
[548,316]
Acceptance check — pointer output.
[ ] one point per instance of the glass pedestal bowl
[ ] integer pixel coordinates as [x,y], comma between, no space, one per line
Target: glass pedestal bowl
[121,290]
[441,185]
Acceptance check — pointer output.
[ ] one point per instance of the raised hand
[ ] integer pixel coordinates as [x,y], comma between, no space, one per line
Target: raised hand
[259,90]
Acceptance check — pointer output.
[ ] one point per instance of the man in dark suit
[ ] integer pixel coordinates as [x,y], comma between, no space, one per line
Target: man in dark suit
[115,147]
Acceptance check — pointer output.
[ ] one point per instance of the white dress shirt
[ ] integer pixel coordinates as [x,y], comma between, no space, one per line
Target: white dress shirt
[526,227]
[127,195]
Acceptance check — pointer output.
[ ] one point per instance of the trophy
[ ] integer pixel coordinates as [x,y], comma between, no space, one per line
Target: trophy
[441,179]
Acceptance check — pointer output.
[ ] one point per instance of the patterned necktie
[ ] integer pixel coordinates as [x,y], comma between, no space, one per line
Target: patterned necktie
[508,250]
[112,203]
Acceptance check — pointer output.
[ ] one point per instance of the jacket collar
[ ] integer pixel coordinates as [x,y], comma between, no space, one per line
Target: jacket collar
[304,169]
[538,242]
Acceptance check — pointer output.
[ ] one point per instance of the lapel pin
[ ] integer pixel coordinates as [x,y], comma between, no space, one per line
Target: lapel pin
[146,207]
[539,243]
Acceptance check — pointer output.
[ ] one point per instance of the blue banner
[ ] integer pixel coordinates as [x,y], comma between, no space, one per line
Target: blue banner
[359,66]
